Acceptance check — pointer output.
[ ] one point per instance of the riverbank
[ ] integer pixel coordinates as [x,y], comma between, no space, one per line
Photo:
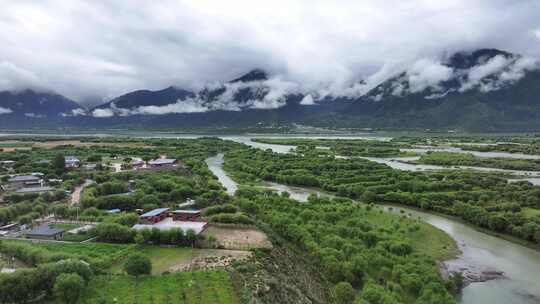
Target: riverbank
[505,237]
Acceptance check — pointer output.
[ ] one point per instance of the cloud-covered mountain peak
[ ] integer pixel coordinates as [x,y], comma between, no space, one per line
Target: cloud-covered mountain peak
[468,59]
[33,104]
[482,70]
[254,90]
[253,75]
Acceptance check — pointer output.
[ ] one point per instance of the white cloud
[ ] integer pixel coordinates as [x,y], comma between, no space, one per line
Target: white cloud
[13,77]
[88,48]
[477,73]
[102,113]
[5,110]
[266,94]
[537,33]
[181,106]
[78,112]
[277,90]
[33,115]
[426,73]
[74,113]
[498,72]
[307,100]
[518,69]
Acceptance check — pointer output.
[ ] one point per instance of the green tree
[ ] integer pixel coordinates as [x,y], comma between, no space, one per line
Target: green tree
[59,164]
[369,197]
[344,293]
[138,264]
[139,239]
[68,287]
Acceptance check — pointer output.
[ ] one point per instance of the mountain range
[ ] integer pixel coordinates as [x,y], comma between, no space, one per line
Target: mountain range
[481,90]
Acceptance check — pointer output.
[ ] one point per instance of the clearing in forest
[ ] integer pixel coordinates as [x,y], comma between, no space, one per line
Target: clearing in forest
[238,238]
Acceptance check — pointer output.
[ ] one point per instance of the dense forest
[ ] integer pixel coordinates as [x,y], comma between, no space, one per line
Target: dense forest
[360,247]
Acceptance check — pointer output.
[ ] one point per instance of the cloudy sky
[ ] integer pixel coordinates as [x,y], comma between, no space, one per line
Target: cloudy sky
[100,49]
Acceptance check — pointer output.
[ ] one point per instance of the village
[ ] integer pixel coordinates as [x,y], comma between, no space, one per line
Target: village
[35,183]
[69,218]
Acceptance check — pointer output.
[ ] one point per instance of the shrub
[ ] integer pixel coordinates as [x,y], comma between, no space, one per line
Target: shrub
[138,264]
[219,209]
[114,233]
[344,293]
[68,287]
[228,218]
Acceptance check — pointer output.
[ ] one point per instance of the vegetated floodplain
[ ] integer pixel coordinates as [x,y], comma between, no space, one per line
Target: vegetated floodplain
[341,147]
[483,199]
[532,149]
[464,159]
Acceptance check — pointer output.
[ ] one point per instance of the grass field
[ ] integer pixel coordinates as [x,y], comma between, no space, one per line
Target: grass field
[66,227]
[434,242]
[76,237]
[428,239]
[162,258]
[201,287]
[178,259]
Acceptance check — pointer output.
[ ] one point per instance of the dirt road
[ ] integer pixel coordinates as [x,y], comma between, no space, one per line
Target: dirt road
[76,195]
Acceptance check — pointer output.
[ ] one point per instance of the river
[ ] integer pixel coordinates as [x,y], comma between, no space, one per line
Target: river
[425,149]
[480,251]
[400,162]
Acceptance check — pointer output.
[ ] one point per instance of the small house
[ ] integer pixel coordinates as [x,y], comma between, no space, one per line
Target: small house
[90,167]
[186,215]
[7,163]
[10,227]
[169,224]
[24,181]
[72,162]
[162,163]
[154,216]
[137,163]
[45,232]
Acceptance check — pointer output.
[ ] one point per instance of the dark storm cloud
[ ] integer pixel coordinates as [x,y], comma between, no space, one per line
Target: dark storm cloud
[85,49]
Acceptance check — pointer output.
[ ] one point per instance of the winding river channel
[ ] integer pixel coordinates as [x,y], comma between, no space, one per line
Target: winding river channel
[480,252]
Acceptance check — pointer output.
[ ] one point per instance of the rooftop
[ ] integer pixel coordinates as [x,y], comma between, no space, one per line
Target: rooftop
[168,224]
[162,161]
[186,204]
[34,190]
[71,159]
[45,230]
[23,178]
[155,212]
[187,211]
